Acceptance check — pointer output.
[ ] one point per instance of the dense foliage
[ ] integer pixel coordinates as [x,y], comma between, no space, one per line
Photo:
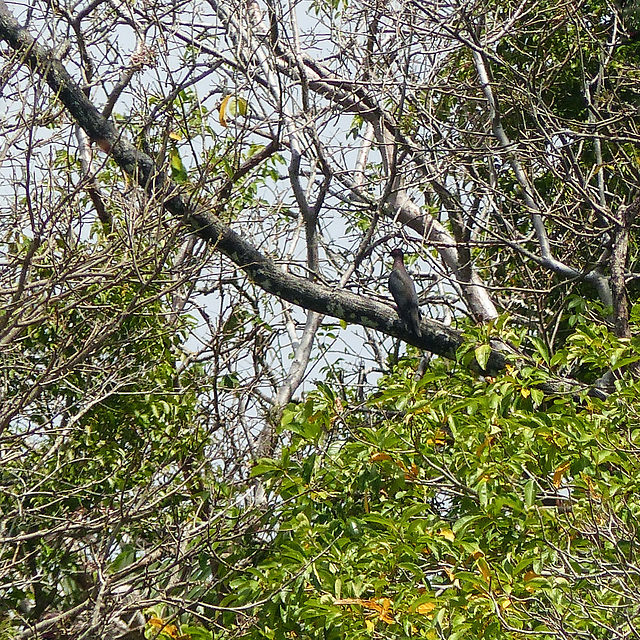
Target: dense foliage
[455,507]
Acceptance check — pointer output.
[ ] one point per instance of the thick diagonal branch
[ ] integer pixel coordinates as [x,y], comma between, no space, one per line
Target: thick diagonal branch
[261,269]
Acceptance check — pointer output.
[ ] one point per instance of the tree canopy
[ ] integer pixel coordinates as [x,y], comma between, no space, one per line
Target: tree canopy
[213,422]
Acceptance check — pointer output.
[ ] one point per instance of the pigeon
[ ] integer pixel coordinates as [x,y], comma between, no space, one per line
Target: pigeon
[404,293]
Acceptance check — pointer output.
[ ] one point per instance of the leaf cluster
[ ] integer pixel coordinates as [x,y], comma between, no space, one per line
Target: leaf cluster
[452,507]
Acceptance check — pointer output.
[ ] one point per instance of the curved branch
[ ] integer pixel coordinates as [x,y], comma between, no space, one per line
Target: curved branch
[528,193]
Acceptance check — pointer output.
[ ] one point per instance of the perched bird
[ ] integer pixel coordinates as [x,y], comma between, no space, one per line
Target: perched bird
[404,293]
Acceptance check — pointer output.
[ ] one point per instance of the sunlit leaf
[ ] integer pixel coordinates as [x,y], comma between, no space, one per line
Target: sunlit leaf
[560,472]
[426,608]
[447,534]
[482,353]
[230,107]
[178,170]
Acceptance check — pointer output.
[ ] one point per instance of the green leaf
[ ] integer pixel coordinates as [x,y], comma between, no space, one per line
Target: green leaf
[178,170]
[482,353]
[529,493]
[196,633]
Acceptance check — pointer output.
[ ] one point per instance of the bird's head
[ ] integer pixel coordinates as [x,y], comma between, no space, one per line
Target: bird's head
[397,253]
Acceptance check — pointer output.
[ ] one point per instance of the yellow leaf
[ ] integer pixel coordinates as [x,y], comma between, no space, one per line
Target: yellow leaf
[372,604]
[441,437]
[505,603]
[560,472]
[426,608]
[591,486]
[383,610]
[169,629]
[411,475]
[447,534]
[483,567]
[223,110]
[528,578]
[232,106]
[370,625]
[385,614]
[175,135]
[525,393]
[487,441]
[379,457]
